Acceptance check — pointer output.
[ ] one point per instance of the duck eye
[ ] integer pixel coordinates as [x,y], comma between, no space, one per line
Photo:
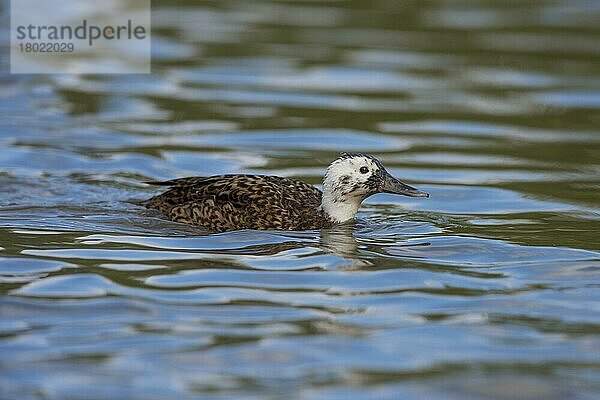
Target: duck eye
[364,170]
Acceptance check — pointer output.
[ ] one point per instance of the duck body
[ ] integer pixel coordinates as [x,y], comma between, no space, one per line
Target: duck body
[231,202]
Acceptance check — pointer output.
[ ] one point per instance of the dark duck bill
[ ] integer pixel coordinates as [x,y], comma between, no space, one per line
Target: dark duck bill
[393,185]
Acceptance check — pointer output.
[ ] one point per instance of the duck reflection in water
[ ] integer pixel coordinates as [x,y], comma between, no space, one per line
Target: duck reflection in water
[342,241]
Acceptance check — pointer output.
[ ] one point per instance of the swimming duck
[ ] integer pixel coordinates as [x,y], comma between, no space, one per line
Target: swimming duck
[231,202]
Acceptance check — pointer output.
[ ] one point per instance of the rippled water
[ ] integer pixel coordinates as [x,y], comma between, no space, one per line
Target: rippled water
[489,289]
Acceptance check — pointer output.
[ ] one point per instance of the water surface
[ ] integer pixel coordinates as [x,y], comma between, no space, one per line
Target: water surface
[488,289]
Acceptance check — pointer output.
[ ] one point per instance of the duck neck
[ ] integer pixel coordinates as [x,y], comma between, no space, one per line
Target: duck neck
[339,208]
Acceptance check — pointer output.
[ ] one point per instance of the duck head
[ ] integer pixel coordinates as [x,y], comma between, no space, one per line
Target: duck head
[352,178]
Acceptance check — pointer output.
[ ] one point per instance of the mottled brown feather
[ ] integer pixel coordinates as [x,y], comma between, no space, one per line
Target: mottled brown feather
[231,202]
